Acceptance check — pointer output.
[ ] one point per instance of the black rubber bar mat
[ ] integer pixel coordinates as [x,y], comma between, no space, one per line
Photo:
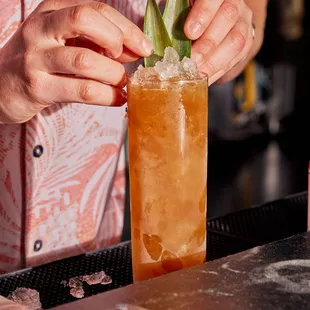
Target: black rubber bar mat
[226,235]
[266,223]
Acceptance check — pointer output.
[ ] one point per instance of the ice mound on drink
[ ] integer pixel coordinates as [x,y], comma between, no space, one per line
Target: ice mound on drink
[169,68]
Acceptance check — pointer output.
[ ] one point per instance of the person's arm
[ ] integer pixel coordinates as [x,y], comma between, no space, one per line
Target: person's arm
[67,51]
[222,31]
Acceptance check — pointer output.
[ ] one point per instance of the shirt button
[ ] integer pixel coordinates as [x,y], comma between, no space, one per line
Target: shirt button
[38,151]
[37,245]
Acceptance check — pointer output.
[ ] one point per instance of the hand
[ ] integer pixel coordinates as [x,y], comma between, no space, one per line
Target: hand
[58,55]
[223,31]
[6,304]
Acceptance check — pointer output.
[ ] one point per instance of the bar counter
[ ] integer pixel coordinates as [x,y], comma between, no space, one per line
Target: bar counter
[274,276]
[225,280]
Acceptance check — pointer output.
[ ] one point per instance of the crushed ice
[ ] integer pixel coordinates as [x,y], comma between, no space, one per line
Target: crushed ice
[168,68]
[97,278]
[76,283]
[77,292]
[27,297]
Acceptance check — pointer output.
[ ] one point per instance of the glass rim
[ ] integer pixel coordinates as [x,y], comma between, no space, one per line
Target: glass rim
[203,77]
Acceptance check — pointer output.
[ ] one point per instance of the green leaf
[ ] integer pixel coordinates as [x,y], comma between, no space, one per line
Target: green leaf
[175,14]
[155,30]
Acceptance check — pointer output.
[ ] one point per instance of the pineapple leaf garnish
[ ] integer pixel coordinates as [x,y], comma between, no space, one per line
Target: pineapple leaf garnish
[175,14]
[166,30]
[155,30]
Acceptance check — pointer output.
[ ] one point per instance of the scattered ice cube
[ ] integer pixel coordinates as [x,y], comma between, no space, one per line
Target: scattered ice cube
[106,280]
[77,292]
[76,283]
[76,287]
[27,297]
[97,278]
[94,278]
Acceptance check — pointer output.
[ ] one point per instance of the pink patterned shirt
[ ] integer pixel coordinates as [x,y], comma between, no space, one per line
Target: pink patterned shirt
[62,180]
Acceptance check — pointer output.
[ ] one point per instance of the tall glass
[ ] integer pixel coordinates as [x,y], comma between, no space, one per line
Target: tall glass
[168,133]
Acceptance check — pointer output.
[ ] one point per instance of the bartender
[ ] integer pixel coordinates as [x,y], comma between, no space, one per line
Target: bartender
[62,124]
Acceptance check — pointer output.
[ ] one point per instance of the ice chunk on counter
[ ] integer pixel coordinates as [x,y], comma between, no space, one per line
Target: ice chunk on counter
[27,297]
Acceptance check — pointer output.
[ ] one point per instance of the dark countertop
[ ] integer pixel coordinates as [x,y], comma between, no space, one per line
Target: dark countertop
[274,276]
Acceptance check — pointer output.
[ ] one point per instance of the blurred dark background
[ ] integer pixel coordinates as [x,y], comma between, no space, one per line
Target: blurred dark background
[258,149]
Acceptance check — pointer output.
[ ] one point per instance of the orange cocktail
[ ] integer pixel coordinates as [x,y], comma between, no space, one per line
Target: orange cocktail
[168,133]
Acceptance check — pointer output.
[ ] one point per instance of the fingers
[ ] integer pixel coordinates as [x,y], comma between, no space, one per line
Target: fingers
[44,89]
[231,49]
[100,23]
[236,66]
[224,20]
[52,5]
[84,63]
[74,21]
[127,56]
[227,36]
[200,16]
[134,38]
[70,89]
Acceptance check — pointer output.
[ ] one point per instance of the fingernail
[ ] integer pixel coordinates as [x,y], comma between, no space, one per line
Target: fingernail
[198,58]
[195,29]
[118,54]
[147,46]
[108,54]
[113,53]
